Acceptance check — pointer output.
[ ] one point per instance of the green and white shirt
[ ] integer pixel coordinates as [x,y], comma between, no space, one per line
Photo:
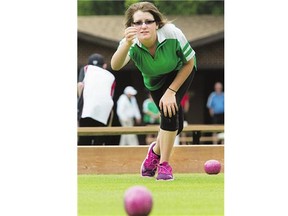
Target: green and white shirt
[173,50]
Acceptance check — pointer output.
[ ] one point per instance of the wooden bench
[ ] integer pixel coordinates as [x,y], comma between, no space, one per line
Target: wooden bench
[196,130]
[188,139]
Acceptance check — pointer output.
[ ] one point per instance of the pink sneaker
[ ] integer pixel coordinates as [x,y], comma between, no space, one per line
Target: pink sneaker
[149,165]
[165,172]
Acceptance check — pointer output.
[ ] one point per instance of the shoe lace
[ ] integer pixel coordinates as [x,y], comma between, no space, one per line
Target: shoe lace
[164,169]
[152,163]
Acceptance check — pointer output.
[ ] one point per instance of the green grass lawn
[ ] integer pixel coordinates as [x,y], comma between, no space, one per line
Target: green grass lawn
[188,194]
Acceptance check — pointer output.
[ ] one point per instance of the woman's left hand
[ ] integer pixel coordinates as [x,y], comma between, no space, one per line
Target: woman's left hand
[168,103]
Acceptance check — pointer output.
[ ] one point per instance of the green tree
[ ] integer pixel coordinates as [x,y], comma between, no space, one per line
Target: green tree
[100,7]
[129,2]
[187,7]
[190,7]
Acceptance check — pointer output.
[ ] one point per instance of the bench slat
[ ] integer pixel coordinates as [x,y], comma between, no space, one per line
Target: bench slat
[96,131]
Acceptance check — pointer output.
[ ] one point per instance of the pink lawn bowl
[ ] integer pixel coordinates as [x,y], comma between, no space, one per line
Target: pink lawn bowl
[212,167]
[138,201]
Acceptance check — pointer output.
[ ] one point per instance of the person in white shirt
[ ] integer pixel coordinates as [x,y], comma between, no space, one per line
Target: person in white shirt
[128,111]
[96,87]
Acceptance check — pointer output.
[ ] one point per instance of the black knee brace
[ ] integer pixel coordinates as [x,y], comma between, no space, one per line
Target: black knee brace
[172,124]
[169,124]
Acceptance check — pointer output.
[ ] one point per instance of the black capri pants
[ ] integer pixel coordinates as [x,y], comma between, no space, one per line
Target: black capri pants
[176,121]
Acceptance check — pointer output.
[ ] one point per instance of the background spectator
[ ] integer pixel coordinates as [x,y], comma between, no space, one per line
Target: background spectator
[128,112]
[185,103]
[95,91]
[215,104]
[151,116]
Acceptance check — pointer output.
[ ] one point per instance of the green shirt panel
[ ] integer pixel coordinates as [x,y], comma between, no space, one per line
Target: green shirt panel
[173,50]
[168,57]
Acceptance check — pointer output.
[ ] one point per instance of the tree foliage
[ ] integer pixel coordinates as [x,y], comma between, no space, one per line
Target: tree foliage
[188,7]
[91,7]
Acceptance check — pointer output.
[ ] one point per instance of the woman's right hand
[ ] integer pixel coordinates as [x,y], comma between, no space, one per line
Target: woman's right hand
[130,34]
[121,57]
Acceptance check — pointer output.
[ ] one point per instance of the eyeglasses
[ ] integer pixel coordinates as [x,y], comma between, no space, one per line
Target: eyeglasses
[140,23]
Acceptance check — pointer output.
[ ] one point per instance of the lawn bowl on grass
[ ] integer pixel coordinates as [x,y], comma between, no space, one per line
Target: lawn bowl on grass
[212,167]
[138,201]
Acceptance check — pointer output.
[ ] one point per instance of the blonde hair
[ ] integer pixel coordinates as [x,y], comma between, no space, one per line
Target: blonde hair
[144,7]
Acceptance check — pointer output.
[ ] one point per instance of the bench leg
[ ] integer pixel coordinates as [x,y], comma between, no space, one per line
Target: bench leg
[196,137]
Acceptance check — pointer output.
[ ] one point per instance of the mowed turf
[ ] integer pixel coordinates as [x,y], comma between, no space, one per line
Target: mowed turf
[189,194]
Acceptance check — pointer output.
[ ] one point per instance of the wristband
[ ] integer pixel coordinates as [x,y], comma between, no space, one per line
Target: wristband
[172,90]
